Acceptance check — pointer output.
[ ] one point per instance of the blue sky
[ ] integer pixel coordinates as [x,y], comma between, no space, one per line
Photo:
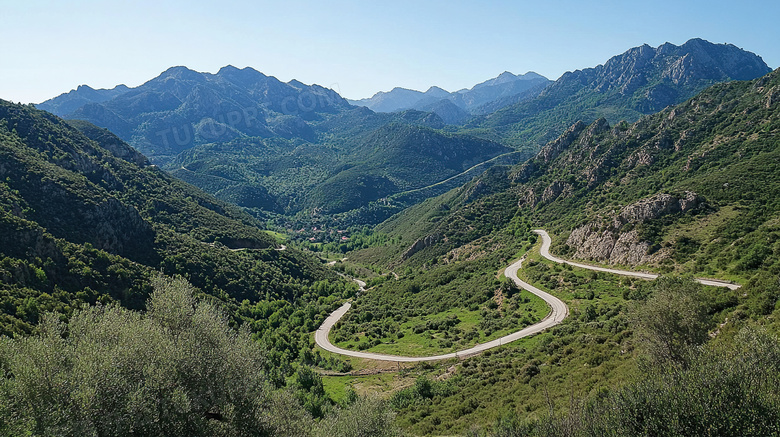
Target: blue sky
[354,47]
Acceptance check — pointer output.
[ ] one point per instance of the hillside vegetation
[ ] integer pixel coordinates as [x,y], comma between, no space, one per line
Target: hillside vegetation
[82,226]
[302,156]
[177,369]
[687,191]
[690,189]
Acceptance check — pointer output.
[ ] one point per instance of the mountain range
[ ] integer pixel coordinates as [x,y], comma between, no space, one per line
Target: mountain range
[689,188]
[484,97]
[289,148]
[641,81]
[66,103]
[274,147]
[181,108]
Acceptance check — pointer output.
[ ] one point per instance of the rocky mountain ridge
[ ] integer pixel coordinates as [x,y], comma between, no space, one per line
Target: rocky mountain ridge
[614,239]
[68,102]
[690,188]
[181,108]
[643,80]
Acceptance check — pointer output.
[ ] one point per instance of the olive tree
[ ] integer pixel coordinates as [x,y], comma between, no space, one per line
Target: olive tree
[672,321]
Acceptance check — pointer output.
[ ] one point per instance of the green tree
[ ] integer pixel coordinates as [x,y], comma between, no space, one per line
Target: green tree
[672,321]
[367,417]
[177,370]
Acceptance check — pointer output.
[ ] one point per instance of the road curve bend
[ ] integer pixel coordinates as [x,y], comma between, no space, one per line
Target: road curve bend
[545,252]
[558,312]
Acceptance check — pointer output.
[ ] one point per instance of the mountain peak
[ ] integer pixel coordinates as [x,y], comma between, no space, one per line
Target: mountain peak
[232,70]
[180,72]
[435,91]
[531,75]
[228,69]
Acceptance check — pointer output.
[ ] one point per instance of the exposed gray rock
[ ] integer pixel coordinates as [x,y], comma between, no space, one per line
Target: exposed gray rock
[556,189]
[421,244]
[116,226]
[527,198]
[554,148]
[611,240]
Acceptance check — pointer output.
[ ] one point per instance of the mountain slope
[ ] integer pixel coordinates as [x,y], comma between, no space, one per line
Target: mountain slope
[181,108]
[643,80]
[400,158]
[288,177]
[81,225]
[84,94]
[690,188]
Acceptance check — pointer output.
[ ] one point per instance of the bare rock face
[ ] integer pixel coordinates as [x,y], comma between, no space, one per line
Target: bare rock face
[655,207]
[614,242]
[527,199]
[556,189]
[421,244]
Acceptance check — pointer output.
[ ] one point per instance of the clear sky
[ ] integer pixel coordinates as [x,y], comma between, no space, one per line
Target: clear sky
[355,47]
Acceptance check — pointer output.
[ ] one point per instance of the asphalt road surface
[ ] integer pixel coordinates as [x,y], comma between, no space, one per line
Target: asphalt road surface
[558,311]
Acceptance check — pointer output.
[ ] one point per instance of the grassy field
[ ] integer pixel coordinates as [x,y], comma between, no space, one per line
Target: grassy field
[463,335]
[280,237]
[589,352]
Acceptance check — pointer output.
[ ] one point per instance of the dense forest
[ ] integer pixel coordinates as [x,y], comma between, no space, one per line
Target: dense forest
[89,227]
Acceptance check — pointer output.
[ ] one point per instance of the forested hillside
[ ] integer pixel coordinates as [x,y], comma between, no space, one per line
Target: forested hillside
[688,189]
[286,177]
[685,192]
[82,225]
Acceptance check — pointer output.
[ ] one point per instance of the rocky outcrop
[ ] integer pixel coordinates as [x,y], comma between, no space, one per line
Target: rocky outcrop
[421,244]
[493,180]
[556,189]
[615,240]
[527,198]
[655,207]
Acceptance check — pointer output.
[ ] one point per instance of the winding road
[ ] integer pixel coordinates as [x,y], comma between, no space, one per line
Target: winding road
[545,251]
[558,312]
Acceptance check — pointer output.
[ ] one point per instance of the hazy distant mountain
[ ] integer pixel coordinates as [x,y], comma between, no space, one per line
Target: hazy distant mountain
[181,108]
[643,80]
[266,145]
[501,88]
[70,101]
[448,111]
[399,99]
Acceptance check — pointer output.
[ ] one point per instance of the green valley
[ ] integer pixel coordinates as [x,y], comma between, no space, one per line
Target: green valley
[231,254]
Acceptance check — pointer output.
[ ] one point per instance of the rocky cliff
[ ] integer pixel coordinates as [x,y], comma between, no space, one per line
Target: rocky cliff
[421,244]
[615,240]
